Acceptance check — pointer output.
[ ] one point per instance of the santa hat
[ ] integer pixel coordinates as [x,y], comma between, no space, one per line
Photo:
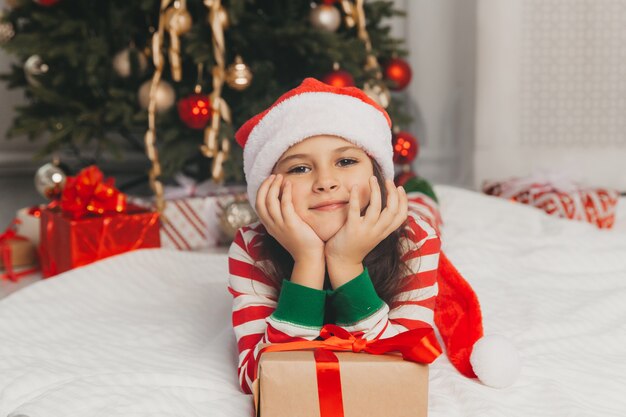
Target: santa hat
[493,358]
[314,108]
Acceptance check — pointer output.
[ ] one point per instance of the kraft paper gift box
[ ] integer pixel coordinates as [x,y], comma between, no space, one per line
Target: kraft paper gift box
[371,385]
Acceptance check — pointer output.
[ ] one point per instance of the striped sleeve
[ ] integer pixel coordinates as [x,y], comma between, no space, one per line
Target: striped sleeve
[255,300]
[413,306]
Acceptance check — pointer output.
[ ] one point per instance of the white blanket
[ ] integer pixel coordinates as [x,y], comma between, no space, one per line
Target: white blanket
[148,332]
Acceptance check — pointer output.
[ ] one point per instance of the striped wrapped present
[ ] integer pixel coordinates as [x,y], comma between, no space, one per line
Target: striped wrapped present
[201,216]
[561,198]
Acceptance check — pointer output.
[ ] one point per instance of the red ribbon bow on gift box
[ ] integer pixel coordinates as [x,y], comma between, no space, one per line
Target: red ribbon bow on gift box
[417,345]
[88,193]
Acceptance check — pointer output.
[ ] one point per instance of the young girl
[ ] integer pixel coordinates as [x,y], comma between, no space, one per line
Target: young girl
[337,242]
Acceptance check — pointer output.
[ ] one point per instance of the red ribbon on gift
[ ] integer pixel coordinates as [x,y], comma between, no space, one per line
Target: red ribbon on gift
[416,345]
[89,193]
[5,252]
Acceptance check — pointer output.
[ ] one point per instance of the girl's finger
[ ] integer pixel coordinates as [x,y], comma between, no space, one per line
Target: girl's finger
[286,205]
[354,208]
[272,202]
[373,211]
[388,214]
[261,195]
[402,213]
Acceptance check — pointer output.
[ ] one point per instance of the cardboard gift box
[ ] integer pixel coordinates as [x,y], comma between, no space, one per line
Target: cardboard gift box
[22,252]
[371,385]
[67,242]
[18,257]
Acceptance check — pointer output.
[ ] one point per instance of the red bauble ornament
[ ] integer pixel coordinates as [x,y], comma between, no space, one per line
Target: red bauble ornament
[46,3]
[194,110]
[399,72]
[339,78]
[405,148]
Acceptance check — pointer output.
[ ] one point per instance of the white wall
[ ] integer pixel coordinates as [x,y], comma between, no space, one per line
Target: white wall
[440,35]
[551,90]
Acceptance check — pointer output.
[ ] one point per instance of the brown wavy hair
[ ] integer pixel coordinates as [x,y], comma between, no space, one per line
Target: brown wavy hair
[383,263]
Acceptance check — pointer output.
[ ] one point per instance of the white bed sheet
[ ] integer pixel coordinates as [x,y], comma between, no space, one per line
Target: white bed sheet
[148,332]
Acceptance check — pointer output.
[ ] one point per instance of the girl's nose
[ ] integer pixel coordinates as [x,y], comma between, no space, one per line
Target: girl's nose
[326,183]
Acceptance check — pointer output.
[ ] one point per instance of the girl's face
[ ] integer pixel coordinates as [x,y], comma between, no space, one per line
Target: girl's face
[322,170]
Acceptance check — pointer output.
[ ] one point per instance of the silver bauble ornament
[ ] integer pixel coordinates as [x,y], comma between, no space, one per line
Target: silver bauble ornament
[165,96]
[234,216]
[238,75]
[33,68]
[325,17]
[50,180]
[122,62]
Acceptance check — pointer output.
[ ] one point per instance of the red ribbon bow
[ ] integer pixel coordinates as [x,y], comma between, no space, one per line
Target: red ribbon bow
[417,345]
[89,193]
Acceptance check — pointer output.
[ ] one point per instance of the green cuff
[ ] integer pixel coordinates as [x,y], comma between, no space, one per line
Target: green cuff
[300,305]
[417,184]
[355,300]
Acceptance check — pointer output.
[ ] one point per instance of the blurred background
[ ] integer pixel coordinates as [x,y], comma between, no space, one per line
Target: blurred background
[496,89]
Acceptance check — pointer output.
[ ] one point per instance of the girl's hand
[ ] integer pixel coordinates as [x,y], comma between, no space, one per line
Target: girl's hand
[283,223]
[359,235]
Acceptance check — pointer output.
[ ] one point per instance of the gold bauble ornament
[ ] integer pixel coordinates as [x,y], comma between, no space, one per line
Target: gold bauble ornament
[238,75]
[378,92]
[50,180]
[178,20]
[165,96]
[122,62]
[34,67]
[325,17]
[234,216]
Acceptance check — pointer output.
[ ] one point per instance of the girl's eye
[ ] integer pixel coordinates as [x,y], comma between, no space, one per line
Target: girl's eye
[299,170]
[347,161]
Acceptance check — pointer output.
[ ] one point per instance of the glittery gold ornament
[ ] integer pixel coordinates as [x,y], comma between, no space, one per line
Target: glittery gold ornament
[238,75]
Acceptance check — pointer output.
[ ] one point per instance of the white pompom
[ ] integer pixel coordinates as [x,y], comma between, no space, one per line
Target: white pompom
[495,361]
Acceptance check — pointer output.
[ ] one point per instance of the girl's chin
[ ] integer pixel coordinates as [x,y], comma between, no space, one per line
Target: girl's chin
[326,232]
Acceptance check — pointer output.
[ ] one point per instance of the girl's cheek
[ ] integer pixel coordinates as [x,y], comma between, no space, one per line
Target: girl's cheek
[364,195]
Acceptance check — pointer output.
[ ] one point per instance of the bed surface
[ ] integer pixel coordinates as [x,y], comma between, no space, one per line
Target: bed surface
[148,332]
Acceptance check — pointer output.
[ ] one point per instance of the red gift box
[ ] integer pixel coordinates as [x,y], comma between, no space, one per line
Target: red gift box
[67,243]
[560,198]
[92,222]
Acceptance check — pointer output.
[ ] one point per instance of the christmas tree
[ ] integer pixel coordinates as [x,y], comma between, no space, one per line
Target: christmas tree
[95,72]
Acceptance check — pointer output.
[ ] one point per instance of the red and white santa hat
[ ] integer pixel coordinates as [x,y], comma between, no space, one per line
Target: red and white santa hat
[314,108]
